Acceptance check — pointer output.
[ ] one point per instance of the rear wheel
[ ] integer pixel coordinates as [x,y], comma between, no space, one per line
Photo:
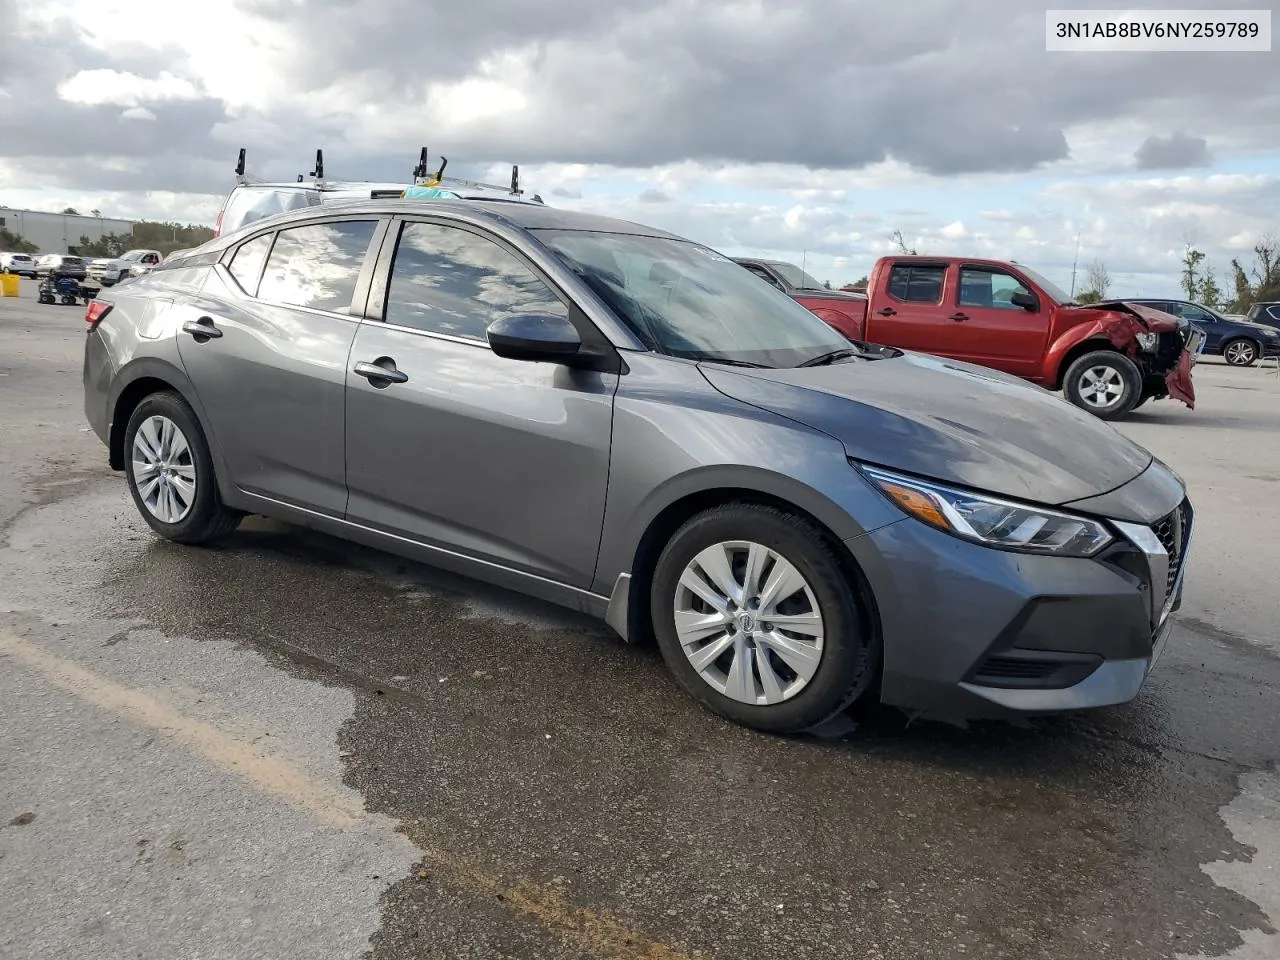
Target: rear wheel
[1105,382]
[170,472]
[1241,353]
[759,620]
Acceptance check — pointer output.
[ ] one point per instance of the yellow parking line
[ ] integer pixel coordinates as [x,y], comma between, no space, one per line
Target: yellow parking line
[270,774]
[278,777]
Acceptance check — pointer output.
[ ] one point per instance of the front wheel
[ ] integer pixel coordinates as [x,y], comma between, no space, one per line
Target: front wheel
[760,621]
[1241,353]
[170,472]
[1105,382]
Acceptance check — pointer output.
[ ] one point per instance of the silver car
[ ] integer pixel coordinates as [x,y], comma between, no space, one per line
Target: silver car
[630,424]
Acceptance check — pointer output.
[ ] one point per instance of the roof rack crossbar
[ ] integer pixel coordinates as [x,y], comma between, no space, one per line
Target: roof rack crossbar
[422,175]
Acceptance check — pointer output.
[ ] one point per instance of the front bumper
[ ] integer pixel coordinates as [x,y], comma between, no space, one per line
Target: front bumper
[976,632]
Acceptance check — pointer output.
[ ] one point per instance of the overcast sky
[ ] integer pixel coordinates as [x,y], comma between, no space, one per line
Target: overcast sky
[801,129]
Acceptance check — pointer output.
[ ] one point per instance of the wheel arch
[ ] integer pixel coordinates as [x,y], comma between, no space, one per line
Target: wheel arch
[628,611]
[1076,351]
[139,380]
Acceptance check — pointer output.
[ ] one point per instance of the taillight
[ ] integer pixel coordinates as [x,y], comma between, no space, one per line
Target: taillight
[95,311]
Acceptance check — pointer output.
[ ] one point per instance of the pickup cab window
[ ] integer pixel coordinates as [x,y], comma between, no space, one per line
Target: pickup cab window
[763,274]
[989,288]
[916,284]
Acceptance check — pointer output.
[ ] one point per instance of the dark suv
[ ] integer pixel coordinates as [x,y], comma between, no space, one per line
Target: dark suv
[1267,314]
[1240,342]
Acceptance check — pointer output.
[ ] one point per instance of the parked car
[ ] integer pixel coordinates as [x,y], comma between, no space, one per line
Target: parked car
[1266,313]
[19,264]
[1108,360]
[622,421]
[1239,342]
[111,270]
[61,265]
[840,308]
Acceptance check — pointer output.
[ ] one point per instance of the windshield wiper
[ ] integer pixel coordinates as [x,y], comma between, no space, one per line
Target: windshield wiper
[733,363]
[823,359]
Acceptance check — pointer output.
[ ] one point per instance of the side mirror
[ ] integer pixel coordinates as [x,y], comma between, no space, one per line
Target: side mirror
[1027,301]
[534,336]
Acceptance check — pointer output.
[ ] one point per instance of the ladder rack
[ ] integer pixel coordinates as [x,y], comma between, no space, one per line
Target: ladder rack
[422,176]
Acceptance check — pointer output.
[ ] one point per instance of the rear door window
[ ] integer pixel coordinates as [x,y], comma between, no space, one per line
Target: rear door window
[917,284]
[317,265]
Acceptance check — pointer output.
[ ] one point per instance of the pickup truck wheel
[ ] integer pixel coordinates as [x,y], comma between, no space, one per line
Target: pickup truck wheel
[1105,382]
[1240,353]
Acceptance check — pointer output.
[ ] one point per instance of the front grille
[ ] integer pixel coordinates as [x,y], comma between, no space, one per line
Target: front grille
[1174,531]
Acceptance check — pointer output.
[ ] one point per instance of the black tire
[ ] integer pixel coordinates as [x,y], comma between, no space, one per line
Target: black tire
[1241,352]
[207,520]
[850,654]
[1120,367]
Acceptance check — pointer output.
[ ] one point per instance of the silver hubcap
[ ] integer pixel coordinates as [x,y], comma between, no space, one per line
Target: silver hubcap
[749,622]
[1101,386]
[1240,352]
[163,471]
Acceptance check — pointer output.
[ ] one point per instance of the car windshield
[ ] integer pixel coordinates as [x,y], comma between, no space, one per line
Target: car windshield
[685,300]
[133,255]
[1048,286]
[795,277]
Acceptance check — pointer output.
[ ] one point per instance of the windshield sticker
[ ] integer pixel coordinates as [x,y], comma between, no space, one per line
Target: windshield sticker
[712,255]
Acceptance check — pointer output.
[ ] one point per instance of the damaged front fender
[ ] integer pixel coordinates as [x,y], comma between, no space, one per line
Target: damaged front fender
[1165,363]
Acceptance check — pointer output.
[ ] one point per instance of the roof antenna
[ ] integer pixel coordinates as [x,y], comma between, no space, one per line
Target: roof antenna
[318,172]
[240,164]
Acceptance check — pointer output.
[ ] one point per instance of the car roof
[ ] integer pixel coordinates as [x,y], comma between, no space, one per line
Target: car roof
[523,215]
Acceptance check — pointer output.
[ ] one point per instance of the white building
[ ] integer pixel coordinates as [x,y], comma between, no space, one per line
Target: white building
[58,232]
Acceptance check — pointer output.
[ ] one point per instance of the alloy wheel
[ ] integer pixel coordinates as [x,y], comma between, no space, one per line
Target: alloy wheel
[164,472]
[1240,353]
[1101,386]
[749,622]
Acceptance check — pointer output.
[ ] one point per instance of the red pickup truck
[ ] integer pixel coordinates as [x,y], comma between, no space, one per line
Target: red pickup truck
[1002,315]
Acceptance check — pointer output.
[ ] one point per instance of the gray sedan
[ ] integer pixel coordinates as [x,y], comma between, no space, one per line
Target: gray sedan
[628,423]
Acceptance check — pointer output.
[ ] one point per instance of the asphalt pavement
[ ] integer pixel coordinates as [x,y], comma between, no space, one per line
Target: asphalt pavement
[292,747]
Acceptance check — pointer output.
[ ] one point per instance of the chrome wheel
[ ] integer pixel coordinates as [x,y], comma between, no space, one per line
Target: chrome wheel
[1101,386]
[749,622]
[163,471]
[1240,353]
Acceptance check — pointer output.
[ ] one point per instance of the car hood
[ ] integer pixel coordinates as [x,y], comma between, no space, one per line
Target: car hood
[950,421]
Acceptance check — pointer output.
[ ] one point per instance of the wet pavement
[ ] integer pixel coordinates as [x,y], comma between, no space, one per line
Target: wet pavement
[290,746]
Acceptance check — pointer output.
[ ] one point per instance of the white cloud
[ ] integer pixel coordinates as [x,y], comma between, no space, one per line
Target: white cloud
[97,87]
[137,113]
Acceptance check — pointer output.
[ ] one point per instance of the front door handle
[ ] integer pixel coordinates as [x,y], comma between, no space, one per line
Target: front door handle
[959,316]
[888,312]
[380,372]
[202,329]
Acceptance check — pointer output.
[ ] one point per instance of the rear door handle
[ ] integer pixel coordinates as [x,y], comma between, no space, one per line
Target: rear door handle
[202,329]
[959,316]
[888,312]
[380,372]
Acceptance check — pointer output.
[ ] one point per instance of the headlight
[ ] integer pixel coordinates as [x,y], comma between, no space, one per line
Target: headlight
[989,520]
[1147,341]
